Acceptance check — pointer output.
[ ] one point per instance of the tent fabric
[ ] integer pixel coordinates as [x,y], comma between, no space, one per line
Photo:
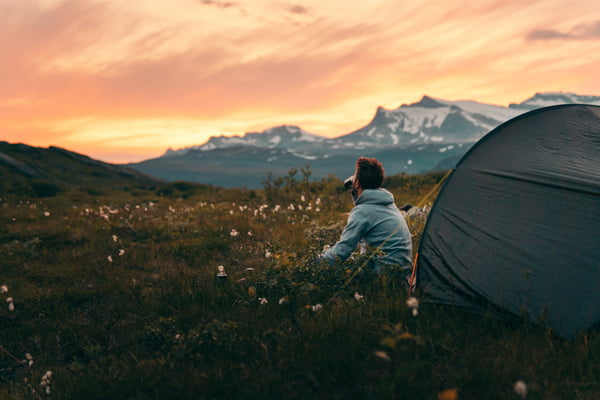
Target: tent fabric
[516,227]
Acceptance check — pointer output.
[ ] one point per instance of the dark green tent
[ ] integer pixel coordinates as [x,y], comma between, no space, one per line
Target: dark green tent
[516,227]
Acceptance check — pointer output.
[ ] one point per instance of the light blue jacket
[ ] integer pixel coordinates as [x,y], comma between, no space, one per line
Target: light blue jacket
[376,219]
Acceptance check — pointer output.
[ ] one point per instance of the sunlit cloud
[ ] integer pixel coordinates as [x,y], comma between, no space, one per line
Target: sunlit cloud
[132,79]
[585,31]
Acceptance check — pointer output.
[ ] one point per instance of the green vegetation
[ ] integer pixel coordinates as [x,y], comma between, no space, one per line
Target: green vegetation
[115,291]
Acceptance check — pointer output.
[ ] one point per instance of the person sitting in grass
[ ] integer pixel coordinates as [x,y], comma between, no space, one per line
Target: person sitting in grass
[375,220]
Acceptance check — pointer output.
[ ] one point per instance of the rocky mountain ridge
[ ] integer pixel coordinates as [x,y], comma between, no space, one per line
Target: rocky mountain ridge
[428,121]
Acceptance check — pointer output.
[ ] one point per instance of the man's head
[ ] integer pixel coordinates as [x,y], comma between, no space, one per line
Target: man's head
[369,173]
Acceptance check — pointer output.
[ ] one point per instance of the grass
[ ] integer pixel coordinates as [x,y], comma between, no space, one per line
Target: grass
[154,321]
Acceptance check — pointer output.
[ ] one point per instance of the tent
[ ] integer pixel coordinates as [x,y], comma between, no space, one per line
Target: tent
[516,226]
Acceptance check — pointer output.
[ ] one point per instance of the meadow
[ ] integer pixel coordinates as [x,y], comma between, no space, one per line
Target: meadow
[197,292]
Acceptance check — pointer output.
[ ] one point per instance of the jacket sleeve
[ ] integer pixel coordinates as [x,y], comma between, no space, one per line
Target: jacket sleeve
[355,229]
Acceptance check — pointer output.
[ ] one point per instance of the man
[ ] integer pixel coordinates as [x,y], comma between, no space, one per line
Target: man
[376,220]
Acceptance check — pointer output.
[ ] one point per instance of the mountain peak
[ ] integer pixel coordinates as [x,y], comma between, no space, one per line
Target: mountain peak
[427,102]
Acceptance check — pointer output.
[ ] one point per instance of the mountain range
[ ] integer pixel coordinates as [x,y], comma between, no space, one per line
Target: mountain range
[425,136]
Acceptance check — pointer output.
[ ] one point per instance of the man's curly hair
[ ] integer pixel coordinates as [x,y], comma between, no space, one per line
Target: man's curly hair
[369,173]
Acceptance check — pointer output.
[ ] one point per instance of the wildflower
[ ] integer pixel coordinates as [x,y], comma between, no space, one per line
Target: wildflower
[358,297]
[413,303]
[283,300]
[46,214]
[221,272]
[234,233]
[268,254]
[11,304]
[317,307]
[121,252]
[109,258]
[250,233]
[520,388]
[318,201]
[28,359]
[383,355]
[45,383]
[115,238]
[263,300]
[3,289]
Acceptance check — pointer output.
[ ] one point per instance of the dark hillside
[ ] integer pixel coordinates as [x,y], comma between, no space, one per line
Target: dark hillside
[46,172]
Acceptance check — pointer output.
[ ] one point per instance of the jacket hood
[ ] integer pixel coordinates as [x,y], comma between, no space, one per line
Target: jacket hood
[375,196]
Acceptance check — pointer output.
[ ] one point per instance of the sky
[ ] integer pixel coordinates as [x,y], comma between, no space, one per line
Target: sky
[122,81]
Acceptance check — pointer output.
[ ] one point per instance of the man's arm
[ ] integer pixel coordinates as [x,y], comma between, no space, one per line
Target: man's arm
[355,229]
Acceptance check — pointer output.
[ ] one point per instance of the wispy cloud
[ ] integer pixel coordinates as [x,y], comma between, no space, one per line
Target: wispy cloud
[220,4]
[586,31]
[297,9]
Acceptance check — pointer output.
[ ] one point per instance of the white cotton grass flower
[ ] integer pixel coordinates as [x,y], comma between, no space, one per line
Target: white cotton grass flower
[263,301]
[358,297]
[109,258]
[413,304]
[46,213]
[115,238]
[121,252]
[234,233]
[221,273]
[11,304]
[3,289]
[45,383]
[28,359]
[268,254]
[520,388]
[317,307]
[283,300]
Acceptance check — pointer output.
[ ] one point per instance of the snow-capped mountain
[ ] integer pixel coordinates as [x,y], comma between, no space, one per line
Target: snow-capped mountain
[413,138]
[428,121]
[287,137]
[540,100]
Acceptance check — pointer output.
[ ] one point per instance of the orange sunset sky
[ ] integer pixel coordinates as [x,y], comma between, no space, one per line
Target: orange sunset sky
[124,80]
